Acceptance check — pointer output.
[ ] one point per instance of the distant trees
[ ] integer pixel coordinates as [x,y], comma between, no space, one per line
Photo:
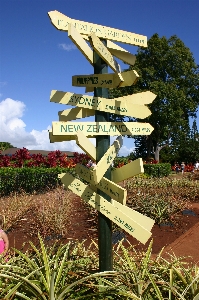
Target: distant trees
[167,68]
[5,145]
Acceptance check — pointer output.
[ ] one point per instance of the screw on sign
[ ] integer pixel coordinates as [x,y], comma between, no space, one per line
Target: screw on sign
[103,192]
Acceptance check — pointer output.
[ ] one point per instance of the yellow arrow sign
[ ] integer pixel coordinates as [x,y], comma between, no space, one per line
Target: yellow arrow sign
[66,138]
[121,53]
[78,40]
[107,159]
[136,216]
[101,128]
[60,21]
[127,171]
[105,207]
[110,81]
[121,106]
[115,191]
[75,113]
[104,53]
[85,144]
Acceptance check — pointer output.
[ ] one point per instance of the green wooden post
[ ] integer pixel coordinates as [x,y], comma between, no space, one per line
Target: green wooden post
[102,145]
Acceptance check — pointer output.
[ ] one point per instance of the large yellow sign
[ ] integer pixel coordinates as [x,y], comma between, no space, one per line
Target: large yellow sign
[101,128]
[126,106]
[61,22]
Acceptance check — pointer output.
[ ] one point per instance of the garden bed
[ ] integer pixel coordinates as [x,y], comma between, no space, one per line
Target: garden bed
[82,225]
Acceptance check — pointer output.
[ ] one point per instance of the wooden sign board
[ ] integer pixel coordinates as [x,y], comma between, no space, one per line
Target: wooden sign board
[120,106]
[85,144]
[61,22]
[75,113]
[103,52]
[109,81]
[115,191]
[107,159]
[127,171]
[101,128]
[105,207]
[78,40]
[136,216]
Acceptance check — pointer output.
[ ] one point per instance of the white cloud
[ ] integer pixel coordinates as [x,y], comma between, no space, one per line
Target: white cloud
[11,124]
[67,47]
[13,130]
[124,151]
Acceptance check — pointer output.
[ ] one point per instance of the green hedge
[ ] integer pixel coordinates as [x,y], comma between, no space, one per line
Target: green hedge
[29,180]
[157,170]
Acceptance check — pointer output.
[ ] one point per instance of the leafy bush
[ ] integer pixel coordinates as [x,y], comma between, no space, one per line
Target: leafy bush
[157,170]
[29,180]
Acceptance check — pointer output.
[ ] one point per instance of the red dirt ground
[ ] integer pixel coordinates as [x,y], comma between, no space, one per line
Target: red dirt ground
[83,226]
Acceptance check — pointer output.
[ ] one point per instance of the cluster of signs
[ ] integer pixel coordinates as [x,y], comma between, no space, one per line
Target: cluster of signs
[81,33]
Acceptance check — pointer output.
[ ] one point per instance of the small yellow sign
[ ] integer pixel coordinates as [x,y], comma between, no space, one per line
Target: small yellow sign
[107,159]
[110,81]
[78,40]
[136,216]
[127,171]
[103,52]
[85,144]
[75,113]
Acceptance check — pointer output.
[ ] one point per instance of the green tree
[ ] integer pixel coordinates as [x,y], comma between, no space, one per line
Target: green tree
[167,68]
[5,145]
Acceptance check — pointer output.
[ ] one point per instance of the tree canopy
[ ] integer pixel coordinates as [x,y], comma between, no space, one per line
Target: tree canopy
[168,69]
[5,145]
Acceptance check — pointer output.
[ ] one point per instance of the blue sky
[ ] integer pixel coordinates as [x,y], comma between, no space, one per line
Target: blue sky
[36,58]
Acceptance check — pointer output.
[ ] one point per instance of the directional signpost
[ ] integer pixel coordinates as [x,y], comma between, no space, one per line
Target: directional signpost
[102,191]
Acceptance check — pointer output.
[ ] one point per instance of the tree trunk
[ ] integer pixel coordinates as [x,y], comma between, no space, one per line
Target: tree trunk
[157,152]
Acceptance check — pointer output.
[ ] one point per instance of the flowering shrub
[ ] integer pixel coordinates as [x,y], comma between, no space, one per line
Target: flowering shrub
[22,158]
